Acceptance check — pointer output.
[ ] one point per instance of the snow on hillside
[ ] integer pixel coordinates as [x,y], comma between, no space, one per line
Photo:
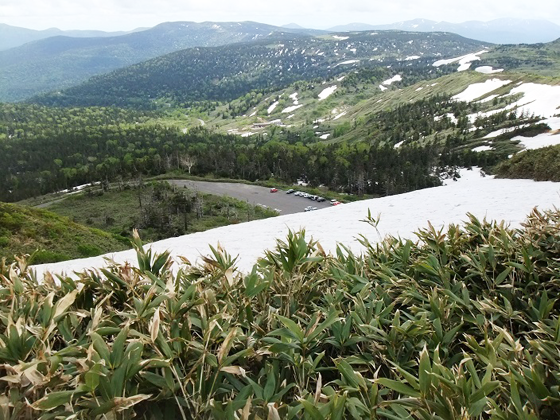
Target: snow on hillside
[488,70]
[464,61]
[476,90]
[496,199]
[396,78]
[325,93]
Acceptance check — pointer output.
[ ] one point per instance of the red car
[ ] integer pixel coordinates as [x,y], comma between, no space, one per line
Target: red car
[273,190]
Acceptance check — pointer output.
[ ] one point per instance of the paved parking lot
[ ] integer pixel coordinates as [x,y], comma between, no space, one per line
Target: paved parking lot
[285,203]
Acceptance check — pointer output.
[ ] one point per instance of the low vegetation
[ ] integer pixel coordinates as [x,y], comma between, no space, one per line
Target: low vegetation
[156,209]
[50,237]
[463,324]
[540,165]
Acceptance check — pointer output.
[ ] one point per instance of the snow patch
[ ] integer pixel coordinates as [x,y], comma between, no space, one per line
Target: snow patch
[400,215]
[484,148]
[272,107]
[395,78]
[476,90]
[488,70]
[327,92]
[291,108]
[464,61]
[348,62]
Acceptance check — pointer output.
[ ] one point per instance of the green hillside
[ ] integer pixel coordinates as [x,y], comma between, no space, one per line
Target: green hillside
[50,237]
[62,61]
[228,72]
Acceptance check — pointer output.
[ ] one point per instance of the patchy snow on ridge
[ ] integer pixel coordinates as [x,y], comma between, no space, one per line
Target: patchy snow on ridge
[395,78]
[538,99]
[412,57]
[488,70]
[399,215]
[539,141]
[464,61]
[476,90]
[483,148]
[341,38]
[383,88]
[327,92]
[503,131]
[347,62]
[342,114]
[291,108]
[294,98]
[272,107]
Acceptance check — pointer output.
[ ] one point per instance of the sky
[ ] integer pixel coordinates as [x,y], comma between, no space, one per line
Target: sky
[115,15]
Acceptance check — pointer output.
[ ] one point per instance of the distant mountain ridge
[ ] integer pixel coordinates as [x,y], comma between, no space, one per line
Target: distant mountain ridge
[498,31]
[14,36]
[63,61]
[228,72]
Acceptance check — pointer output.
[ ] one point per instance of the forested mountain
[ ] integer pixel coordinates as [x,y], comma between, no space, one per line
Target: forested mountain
[543,59]
[61,61]
[14,36]
[227,72]
[498,31]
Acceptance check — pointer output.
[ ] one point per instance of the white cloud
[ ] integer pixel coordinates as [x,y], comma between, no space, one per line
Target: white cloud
[129,14]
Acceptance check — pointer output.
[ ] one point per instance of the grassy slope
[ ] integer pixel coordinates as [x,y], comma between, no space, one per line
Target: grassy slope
[358,103]
[25,230]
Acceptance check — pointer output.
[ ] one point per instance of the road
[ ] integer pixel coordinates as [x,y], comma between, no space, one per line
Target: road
[285,203]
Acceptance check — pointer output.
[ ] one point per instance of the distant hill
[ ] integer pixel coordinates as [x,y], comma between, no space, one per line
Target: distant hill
[14,36]
[498,31]
[62,61]
[227,72]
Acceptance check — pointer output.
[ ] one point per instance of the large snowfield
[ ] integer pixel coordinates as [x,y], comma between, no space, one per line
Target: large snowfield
[400,215]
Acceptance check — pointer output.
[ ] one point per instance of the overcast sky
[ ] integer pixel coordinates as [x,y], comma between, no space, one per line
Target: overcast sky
[112,15]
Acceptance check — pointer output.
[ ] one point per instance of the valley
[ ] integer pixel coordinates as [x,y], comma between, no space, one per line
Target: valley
[233,220]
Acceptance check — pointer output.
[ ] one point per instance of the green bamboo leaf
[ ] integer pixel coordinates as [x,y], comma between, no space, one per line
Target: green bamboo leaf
[155,379]
[294,328]
[118,348]
[101,348]
[270,386]
[92,376]
[398,386]
[54,399]
[353,378]
[424,372]
[312,410]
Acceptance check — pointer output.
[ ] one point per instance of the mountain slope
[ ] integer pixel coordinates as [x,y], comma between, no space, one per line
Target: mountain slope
[13,36]
[485,197]
[224,73]
[63,61]
[25,230]
[498,31]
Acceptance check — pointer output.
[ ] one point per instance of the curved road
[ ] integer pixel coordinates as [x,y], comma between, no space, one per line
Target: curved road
[285,203]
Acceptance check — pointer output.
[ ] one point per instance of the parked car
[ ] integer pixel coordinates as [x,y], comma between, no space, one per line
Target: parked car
[321,199]
[335,203]
[310,208]
[290,191]
[273,190]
